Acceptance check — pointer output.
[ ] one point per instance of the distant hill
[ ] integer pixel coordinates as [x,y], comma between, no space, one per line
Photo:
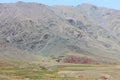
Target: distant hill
[30,29]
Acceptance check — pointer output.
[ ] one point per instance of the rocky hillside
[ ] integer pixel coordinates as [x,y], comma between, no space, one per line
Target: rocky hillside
[30,29]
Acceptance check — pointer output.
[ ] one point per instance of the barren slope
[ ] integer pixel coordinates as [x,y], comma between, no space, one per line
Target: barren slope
[35,29]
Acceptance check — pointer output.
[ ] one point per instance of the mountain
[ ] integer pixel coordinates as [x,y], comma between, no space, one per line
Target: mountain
[30,29]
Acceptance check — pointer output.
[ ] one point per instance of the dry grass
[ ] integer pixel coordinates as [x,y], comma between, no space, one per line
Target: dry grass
[60,72]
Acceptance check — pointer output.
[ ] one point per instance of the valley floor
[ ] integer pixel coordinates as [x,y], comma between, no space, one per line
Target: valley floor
[61,72]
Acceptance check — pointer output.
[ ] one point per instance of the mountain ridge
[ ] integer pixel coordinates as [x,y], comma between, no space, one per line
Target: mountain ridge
[45,30]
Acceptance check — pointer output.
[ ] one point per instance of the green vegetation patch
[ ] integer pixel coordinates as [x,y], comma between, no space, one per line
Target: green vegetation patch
[42,73]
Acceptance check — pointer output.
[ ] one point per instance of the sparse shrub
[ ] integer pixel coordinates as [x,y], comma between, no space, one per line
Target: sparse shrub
[43,67]
[57,59]
[76,59]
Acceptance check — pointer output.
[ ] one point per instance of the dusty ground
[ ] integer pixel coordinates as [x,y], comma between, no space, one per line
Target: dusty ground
[61,72]
[93,72]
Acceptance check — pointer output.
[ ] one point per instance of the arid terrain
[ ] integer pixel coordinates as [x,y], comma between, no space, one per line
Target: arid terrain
[41,42]
[29,71]
[29,30]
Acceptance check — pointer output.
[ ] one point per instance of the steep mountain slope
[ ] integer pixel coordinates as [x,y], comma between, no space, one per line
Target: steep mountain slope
[30,29]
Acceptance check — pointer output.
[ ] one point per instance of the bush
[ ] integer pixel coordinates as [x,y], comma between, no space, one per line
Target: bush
[76,59]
